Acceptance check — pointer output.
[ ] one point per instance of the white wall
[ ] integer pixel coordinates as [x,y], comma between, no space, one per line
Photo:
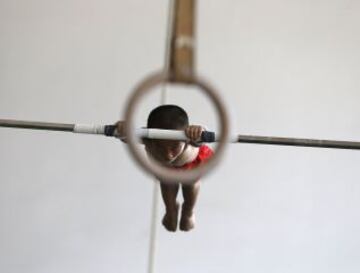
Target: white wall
[78,204]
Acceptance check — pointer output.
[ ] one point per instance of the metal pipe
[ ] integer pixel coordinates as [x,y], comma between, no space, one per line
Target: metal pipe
[302,142]
[36,125]
[110,130]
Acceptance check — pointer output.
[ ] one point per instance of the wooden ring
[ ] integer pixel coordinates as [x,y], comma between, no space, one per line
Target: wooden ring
[166,174]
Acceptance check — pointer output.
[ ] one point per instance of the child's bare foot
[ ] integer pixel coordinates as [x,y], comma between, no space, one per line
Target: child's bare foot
[170,219]
[187,221]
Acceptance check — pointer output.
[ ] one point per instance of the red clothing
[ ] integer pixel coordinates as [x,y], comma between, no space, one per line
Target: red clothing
[205,152]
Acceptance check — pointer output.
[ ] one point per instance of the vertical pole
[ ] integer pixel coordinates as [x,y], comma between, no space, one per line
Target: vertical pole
[182,53]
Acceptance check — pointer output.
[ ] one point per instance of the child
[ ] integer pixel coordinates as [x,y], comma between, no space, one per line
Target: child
[176,154]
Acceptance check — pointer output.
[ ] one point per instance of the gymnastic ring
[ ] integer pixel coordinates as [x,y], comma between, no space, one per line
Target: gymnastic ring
[166,174]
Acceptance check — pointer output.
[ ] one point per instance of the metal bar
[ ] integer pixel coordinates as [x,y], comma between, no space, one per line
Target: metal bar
[36,125]
[108,130]
[182,46]
[207,136]
[302,142]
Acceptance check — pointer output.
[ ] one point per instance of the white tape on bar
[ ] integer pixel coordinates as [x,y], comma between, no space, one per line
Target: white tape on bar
[232,139]
[161,134]
[89,129]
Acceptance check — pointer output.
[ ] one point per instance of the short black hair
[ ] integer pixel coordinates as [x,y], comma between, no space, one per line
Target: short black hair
[168,116]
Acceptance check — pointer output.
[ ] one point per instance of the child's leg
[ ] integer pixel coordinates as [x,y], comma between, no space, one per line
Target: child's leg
[169,193]
[190,194]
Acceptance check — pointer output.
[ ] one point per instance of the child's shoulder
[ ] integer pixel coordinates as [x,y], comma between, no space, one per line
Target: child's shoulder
[205,152]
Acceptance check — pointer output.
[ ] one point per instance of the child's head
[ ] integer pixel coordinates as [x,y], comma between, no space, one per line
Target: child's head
[166,117]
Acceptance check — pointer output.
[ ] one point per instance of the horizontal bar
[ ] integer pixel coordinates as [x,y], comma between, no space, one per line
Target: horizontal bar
[301,142]
[110,130]
[206,136]
[35,125]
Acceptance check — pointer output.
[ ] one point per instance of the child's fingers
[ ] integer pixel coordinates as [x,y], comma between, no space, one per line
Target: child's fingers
[120,128]
[188,132]
[191,133]
[194,132]
[199,130]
